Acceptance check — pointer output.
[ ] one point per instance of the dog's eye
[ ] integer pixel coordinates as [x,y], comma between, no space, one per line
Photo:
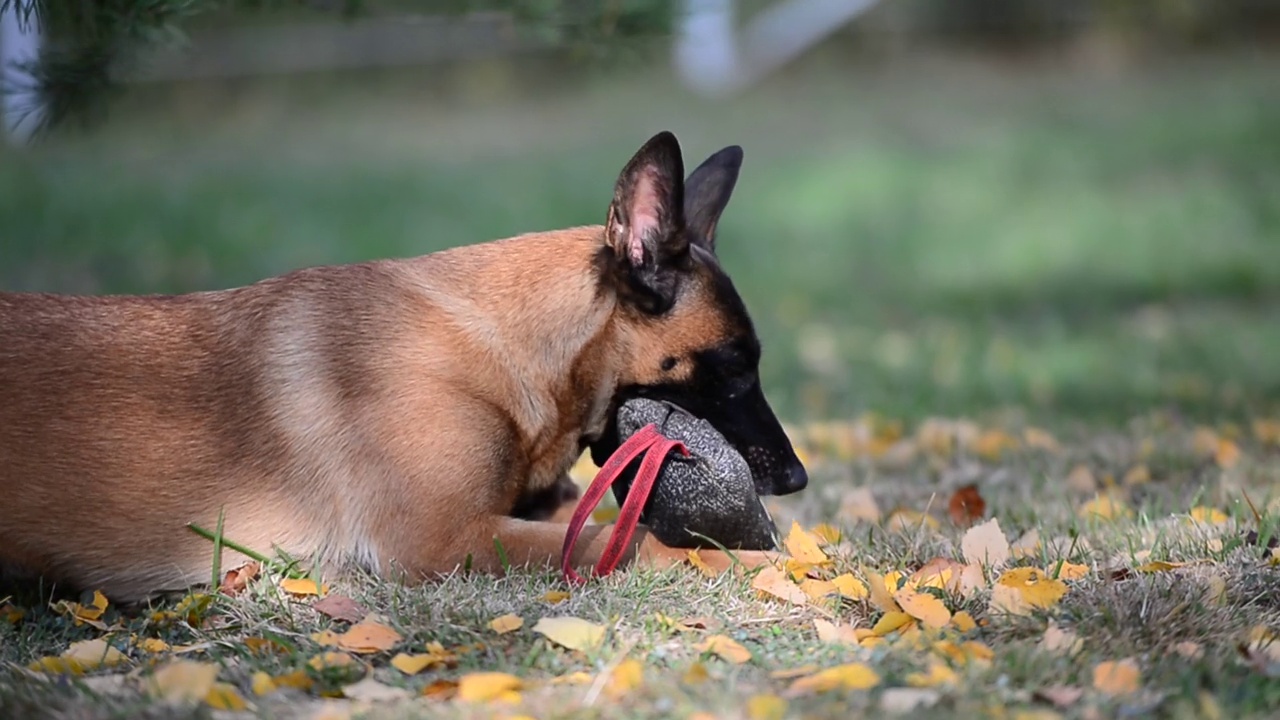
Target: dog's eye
[668,364]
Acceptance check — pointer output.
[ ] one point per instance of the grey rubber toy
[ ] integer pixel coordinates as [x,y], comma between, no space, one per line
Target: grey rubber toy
[710,493]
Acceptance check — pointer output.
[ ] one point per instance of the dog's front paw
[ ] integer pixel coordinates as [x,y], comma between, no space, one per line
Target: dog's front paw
[545,503]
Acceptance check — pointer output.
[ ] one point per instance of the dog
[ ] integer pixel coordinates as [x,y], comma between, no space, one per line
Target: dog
[408,415]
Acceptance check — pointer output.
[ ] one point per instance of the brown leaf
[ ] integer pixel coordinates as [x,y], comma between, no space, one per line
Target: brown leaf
[1061,696]
[341,607]
[966,506]
[235,581]
[368,636]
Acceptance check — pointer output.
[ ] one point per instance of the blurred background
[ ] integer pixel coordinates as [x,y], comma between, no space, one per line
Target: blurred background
[1065,210]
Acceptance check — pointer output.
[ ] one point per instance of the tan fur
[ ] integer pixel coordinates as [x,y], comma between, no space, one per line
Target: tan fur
[385,414]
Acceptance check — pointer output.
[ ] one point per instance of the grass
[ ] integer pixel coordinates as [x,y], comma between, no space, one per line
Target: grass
[942,237]
[932,235]
[1116,612]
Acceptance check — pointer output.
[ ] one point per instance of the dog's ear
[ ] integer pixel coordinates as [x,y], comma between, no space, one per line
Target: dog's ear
[645,227]
[707,192]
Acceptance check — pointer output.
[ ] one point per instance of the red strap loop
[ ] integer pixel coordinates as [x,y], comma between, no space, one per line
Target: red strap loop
[647,440]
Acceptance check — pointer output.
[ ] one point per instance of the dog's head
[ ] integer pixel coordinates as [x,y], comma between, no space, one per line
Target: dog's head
[692,341]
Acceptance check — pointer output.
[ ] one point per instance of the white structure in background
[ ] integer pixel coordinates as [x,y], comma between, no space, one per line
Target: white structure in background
[711,58]
[19,43]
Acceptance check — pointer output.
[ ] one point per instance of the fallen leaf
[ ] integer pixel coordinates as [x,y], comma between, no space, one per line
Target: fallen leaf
[1057,640]
[1216,592]
[1137,475]
[625,677]
[696,674]
[302,587]
[489,686]
[985,545]
[937,675]
[803,546]
[904,520]
[441,689]
[963,621]
[183,681]
[924,607]
[1072,571]
[1106,506]
[991,444]
[368,636]
[340,607]
[570,632]
[816,589]
[901,700]
[10,613]
[889,622]
[726,648]
[325,638]
[1227,454]
[1117,677]
[80,657]
[235,581]
[1060,696]
[829,632]
[1034,588]
[1189,650]
[849,586]
[1027,545]
[860,504]
[225,696]
[414,664]
[299,679]
[851,676]
[370,690]
[1081,480]
[605,514]
[329,660]
[766,706]
[695,559]
[578,677]
[1208,515]
[153,645]
[880,595]
[966,506]
[262,684]
[772,581]
[1040,439]
[555,597]
[1159,566]
[504,624]
[827,533]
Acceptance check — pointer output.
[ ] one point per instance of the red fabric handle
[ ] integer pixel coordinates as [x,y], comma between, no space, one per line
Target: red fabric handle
[647,440]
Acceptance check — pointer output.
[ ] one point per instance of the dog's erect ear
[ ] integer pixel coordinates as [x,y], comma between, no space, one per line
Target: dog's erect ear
[645,227]
[707,192]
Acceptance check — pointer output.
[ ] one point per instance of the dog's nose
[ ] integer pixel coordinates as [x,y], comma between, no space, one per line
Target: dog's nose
[796,479]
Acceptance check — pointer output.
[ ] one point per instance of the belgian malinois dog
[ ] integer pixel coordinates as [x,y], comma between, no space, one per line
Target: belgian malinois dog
[397,414]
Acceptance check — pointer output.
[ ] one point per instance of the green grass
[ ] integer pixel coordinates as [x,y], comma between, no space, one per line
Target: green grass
[940,236]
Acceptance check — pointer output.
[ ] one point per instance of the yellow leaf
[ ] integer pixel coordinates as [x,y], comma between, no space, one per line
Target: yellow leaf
[726,648]
[850,586]
[555,597]
[985,545]
[298,679]
[1072,571]
[924,607]
[506,623]
[991,444]
[81,657]
[773,581]
[1208,515]
[184,681]
[696,560]
[803,546]
[903,520]
[1081,479]
[488,686]
[1106,506]
[1267,431]
[1137,475]
[963,621]
[10,613]
[890,622]
[817,589]
[1027,545]
[626,676]
[225,696]
[368,636]
[879,592]
[829,632]
[1227,454]
[570,632]
[1041,439]
[414,664]
[938,674]
[1159,566]
[795,672]
[1037,589]
[1118,677]
[302,586]
[766,707]
[574,678]
[325,638]
[153,645]
[327,660]
[827,533]
[262,684]
[1216,593]
[696,674]
[851,676]
[604,514]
